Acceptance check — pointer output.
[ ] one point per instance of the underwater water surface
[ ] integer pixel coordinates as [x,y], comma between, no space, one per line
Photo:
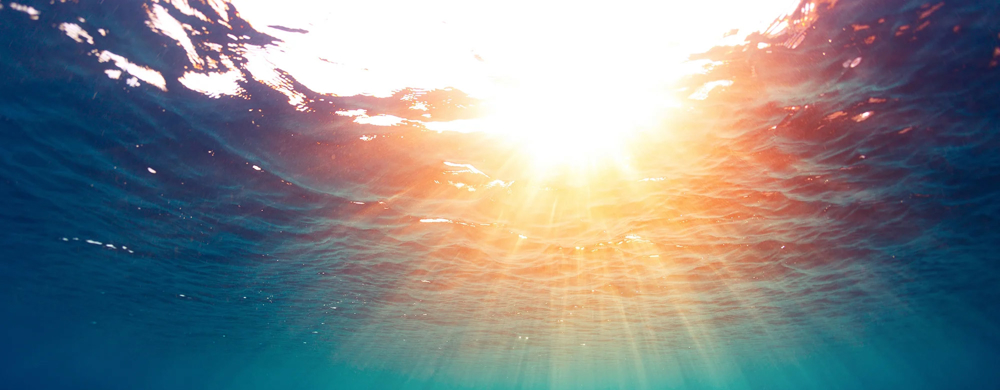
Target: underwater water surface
[815,208]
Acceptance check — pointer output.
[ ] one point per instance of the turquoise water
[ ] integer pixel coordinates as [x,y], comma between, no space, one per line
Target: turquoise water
[827,221]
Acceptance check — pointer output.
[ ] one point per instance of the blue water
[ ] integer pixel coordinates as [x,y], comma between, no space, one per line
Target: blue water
[814,225]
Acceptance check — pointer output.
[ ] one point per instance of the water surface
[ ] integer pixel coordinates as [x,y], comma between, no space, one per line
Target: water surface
[813,208]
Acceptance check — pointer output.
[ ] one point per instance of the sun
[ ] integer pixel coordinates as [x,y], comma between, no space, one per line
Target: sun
[565,123]
[572,82]
[568,127]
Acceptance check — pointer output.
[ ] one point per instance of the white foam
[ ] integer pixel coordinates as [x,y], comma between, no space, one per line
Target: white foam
[76,32]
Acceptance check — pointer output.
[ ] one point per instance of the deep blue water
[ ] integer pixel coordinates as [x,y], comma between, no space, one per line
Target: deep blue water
[814,225]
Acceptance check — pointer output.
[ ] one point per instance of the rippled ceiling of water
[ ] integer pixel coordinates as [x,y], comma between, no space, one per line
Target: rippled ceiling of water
[525,195]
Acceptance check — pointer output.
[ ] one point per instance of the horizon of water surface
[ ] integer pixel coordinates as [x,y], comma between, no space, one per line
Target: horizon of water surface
[814,209]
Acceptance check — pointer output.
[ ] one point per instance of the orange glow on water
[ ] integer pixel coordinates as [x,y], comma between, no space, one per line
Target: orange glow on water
[613,210]
[474,187]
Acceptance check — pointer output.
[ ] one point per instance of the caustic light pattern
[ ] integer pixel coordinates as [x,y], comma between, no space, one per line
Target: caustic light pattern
[452,195]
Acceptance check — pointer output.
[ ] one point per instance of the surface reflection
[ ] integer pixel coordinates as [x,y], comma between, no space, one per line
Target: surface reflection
[570,82]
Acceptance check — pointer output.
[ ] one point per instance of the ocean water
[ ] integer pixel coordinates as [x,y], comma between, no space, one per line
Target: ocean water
[824,218]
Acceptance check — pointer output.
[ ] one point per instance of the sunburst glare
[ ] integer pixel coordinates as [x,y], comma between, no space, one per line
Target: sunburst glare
[518,194]
[571,82]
